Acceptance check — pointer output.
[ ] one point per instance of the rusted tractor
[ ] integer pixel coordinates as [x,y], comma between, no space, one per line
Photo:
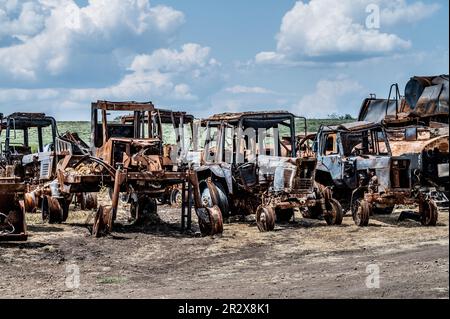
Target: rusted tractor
[417,128]
[252,165]
[130,159]
[355,159]
[26,161]
[29,152]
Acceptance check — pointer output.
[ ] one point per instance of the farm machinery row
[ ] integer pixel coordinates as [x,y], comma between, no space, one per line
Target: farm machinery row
[262,163]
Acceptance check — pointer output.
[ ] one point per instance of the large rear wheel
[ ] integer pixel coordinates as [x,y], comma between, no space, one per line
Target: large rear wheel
[222,198]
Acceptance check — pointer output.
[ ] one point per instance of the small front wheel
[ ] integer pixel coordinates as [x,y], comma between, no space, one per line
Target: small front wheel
[265,218]
[334,214]
[429,213]
[361,212]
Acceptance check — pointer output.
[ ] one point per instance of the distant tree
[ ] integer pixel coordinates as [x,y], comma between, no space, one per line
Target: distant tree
[348,117]
[333,116]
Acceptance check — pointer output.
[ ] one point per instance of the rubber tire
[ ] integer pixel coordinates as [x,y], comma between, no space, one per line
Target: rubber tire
[338,214]
[176,198]
[222,199]
[361,213]
[143,208]
[265,218]
[429,213]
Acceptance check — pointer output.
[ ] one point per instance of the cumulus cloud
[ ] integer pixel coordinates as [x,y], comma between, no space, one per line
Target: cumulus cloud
[335,31]
[166,74]
[158,74]
[20,19]
[328,97]
[59,56]
[60,40]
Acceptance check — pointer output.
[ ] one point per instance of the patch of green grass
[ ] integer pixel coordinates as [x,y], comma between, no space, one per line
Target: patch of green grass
[111,280]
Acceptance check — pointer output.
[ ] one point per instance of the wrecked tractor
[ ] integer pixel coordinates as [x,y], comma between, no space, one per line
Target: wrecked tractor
[128,157]
[26,159]
[252,165]
[355,159]
[417,128]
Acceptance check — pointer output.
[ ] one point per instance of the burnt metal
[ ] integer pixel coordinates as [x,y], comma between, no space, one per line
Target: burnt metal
[23,170]
[418,130]
[128,156]
[357,161]
[242,175]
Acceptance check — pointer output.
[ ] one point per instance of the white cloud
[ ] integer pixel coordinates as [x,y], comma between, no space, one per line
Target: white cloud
[167,75]
[327,98]
[20,19]
[335,31]
[399,11]
[165,60]
[240,89]
[84,40]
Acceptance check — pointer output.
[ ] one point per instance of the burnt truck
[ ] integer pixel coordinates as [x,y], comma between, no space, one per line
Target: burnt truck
[251,165]
[128,157]
[417,127]
[356,160]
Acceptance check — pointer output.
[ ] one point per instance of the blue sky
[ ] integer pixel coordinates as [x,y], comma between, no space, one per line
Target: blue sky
[313,58]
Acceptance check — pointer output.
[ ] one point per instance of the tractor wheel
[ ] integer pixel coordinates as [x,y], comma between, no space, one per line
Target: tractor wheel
[144,208]
[284,215]
[222,199]
[334,213]
[429,213]
[13,222]
[51,209]
[210,220]
[90,201]
[101,225]
[361,212]
[265,218]
[65,203]
[176,198]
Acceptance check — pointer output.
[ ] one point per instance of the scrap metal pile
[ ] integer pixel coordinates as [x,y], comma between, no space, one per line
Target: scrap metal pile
[262,163]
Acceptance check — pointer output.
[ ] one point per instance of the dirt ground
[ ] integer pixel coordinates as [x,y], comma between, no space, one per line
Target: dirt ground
[302,259]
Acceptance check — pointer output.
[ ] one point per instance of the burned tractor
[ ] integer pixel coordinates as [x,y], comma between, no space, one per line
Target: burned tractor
[356,160]
[251,166]
[417,128]
[129,158]
[176,136]
[29,154]
[27,159]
